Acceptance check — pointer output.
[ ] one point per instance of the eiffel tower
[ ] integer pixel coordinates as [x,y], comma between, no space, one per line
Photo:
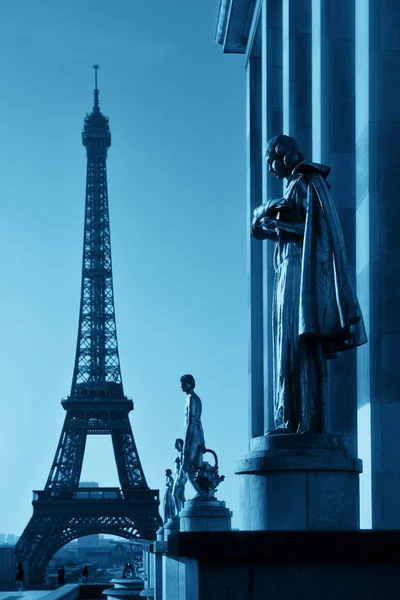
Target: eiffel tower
[96,405]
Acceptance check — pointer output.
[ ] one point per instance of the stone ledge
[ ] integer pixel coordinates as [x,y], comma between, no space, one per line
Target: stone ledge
[298,442]
[351,547]
[301,462]
[210,508]
[69,590]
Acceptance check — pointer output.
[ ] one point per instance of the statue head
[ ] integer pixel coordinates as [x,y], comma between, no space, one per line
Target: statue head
[179,444]
[187,383]
[282,154]
[168,472]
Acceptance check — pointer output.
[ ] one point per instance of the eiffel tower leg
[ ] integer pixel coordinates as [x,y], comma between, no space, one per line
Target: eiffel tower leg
[130,470]
[67,465]
[37,545]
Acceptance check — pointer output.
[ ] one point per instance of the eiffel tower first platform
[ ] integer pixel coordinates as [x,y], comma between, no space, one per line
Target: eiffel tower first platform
[97,405]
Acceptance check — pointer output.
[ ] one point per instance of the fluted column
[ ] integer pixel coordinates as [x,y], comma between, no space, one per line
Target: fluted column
[378,256]
[254,250]
[334,144]
[297,72]
[272,124]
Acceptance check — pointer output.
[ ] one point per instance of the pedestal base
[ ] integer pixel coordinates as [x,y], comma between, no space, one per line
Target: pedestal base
[125,588]
[299,481]
[205,515]
[171,526]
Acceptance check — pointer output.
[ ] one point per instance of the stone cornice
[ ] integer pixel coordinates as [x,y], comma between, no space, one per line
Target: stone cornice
[234,23]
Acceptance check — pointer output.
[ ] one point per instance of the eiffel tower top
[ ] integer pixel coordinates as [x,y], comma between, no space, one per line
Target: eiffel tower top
[96,125]
[97,373]
[96,107]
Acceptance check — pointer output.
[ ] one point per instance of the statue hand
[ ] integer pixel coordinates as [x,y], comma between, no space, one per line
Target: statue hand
[256,230]
[268,224]
[264,228]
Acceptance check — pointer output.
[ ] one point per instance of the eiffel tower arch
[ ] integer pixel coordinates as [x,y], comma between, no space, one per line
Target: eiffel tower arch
[97,404]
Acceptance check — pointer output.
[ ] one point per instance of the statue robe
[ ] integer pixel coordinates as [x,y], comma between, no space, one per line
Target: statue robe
[316,314]
[169,508]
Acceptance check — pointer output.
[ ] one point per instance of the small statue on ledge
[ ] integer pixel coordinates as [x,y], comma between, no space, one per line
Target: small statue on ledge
[315,314]
[204,477]
[180,479]
[168,502]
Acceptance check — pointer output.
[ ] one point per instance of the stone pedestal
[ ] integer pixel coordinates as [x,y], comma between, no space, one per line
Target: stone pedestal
[205,515]
[299,481]
[171,526]
[125,588]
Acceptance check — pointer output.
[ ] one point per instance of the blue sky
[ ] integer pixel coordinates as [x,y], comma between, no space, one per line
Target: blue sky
[176,174]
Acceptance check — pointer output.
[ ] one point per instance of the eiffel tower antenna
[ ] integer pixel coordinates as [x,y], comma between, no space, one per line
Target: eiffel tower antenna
[97,405]
[96,68]
[96,91]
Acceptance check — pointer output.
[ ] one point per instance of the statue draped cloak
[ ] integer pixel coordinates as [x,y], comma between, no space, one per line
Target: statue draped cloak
[316,314]
[168,502]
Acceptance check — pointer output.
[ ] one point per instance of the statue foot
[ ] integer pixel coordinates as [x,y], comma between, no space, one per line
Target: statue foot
[317,429]
[205,496]
[278,431]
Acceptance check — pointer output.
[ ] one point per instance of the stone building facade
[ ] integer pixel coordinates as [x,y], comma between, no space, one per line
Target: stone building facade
[327,72]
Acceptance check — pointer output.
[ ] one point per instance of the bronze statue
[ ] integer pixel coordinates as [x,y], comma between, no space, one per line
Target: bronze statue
[315,314]
[180,478]
[168,503]
[194,444]
[204,477]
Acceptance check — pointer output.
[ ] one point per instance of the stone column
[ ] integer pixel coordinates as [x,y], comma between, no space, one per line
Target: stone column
[334,145]
[254,249]
[272,125]
[149,572]
[158,565]
[170,567]
[378,255]
[297,90]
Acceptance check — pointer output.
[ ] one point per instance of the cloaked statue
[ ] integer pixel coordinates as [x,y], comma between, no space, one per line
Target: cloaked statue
[316,314]
[169,508]
[180,478]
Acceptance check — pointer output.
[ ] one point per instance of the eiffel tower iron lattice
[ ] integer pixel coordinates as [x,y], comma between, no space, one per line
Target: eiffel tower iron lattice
[97,405]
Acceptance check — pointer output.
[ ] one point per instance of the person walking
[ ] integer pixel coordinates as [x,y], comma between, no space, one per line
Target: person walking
[19,577]
[61,575]
[85,574]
